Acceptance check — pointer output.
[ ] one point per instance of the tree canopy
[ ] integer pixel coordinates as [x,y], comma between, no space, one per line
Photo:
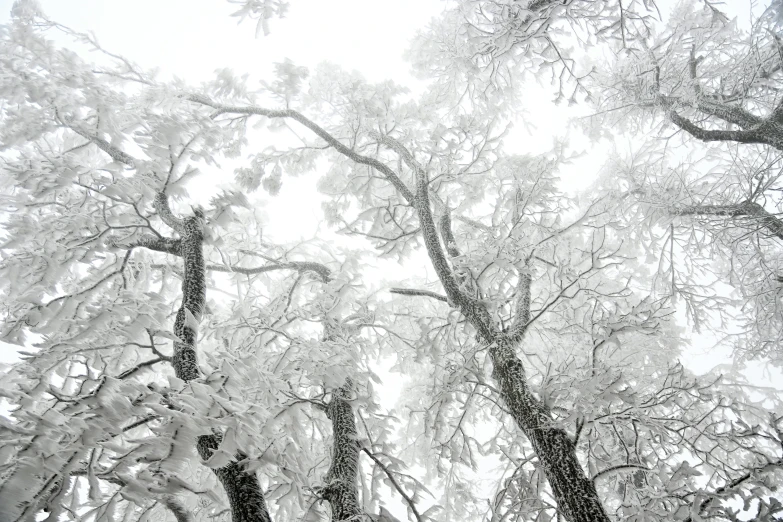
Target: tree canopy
[179,364]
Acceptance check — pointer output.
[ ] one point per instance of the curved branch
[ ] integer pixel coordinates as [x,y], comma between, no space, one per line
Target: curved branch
[388,173]
[300,266]
[752,135]
[617,468]
[161,205]
[177,509]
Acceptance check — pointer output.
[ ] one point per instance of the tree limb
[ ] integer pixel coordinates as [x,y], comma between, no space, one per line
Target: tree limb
[127,373]
[749,209]
[396,484]
[733,484]
[388,173]
[752,135]
[415,292]
[158,244]
[115,153]
[301,266]
[161,205]
[617,468]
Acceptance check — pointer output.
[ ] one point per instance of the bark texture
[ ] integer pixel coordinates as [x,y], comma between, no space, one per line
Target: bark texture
[755,214]
[576,495]
[340,490]
[245,497]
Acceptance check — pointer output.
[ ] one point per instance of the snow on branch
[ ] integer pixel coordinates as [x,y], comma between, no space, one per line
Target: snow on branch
[749,209]
[387,172]
[161,204]
[422,293]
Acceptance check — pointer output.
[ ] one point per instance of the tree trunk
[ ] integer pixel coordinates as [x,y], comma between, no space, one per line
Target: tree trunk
[242,487]
[340,489]
[576,495]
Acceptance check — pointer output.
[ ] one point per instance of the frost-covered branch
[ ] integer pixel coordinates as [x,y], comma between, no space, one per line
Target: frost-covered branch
[161,205]
[733,484]
[387,172]
[127,373]
[393,480]
[767,133]
[300,266]
[749,209]
[115,152]
[417,292]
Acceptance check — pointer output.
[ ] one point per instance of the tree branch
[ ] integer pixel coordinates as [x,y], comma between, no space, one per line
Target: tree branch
[752,135]
[115,153]
[158,244]
[161,205]
[127,373]
[388,173]
[750,209]
[396,484]
[617,468]
[422,293]
[522,314]
[733,484]
[301,266]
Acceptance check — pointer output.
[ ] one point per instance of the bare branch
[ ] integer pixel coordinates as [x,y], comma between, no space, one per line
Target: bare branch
[617,468]
[127,373]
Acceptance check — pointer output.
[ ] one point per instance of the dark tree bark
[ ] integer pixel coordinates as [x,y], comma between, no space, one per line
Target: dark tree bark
[748,127]
[340,490]
[576,495]
[754,213]
[242,487]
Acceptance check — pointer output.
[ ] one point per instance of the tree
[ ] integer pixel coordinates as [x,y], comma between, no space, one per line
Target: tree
[540,348]
[717,84]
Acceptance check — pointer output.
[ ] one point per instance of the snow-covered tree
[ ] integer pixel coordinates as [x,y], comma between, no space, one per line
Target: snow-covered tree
[707,187]
[180,365]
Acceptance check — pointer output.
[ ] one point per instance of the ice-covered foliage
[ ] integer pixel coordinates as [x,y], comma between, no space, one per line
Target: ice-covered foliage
[537,378]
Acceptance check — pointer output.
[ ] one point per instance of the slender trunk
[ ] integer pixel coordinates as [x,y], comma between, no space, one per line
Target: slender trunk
[576,495]
[340,489]
[242,487]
